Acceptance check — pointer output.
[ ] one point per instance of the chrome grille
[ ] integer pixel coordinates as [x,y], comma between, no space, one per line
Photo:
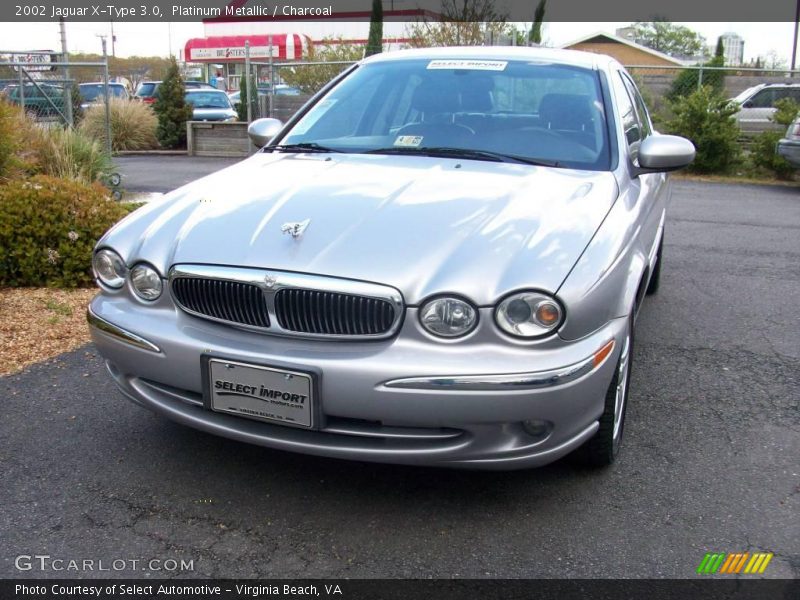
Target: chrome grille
[332,313]
[232,301]
[287,303]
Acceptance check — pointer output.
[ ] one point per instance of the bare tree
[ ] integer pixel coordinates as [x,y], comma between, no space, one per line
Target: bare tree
[461,23]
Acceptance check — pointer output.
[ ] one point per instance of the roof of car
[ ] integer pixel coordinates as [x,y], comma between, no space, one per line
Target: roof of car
[557,55]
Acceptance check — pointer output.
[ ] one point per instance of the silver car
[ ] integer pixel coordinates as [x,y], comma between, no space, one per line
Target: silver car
[437,261]
[789,147]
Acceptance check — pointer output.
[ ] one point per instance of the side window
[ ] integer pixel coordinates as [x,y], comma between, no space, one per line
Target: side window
[627,113]
[644,116]
[762,99]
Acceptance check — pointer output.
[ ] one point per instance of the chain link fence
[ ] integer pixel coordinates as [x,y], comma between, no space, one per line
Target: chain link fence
[754,90]
[47,89]
[284,87]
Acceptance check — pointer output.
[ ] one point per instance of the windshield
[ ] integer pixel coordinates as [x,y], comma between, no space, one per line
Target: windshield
[746,94]
[208,99]
[545,113]
[93,91]
[146,89]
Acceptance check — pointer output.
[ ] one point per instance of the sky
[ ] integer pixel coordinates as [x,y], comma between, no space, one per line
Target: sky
[145,39]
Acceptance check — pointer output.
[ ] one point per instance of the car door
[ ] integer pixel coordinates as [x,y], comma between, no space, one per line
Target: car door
[651,188]
[757,110]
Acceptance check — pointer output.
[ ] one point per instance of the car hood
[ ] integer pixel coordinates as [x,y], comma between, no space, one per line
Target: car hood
[423,225]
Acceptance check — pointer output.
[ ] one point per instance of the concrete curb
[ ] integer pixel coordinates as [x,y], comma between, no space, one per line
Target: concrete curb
[151,153]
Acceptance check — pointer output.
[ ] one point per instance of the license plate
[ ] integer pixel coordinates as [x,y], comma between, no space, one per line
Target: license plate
[263,393]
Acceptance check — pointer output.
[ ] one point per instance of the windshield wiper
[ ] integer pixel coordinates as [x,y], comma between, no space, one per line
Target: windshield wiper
[467,153]
[302,147]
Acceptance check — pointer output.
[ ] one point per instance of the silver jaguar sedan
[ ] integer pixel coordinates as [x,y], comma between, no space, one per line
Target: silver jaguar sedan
[437,261]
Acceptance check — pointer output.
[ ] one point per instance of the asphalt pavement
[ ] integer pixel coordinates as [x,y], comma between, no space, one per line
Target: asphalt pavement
[710,459]
[154,173]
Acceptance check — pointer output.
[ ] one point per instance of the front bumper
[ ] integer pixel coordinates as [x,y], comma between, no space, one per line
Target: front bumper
[409,399]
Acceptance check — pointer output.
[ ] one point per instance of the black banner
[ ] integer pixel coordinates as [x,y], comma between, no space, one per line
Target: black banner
[388,589]
[409,10]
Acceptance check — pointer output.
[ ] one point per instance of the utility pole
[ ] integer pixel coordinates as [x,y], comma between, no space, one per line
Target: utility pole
[796,25]
[105,94]
[113,42]
[248,92]
[67,83]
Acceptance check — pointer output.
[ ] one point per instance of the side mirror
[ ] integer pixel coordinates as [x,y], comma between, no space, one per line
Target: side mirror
[261,131]
[665,153]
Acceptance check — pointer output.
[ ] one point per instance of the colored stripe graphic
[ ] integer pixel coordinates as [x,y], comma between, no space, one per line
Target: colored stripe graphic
[733,563]
[711,563]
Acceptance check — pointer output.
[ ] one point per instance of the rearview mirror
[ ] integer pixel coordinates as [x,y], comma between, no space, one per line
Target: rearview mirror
[665,153]
[261,131]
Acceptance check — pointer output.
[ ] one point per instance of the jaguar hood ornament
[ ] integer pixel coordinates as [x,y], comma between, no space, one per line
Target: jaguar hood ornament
[295,229]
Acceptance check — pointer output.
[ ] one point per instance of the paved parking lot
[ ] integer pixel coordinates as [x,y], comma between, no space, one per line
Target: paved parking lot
[710,460]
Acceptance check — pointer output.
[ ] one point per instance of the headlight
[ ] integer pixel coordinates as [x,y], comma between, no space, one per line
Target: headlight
[448,317]
[109,268]
[146,282]
[529,314]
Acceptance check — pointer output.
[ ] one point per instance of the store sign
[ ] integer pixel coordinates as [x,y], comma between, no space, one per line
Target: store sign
[42,58]
[232,53]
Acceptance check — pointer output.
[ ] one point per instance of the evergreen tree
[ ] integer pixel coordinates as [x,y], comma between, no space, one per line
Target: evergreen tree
[247,86]
[535,35]
[172,109]
[375,41]
[720,50]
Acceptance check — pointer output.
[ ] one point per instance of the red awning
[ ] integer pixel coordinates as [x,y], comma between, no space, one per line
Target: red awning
[230,48]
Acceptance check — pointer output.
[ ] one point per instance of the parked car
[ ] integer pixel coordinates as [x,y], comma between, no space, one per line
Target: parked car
[757,104]
[438,261]
[210,105]
[93,93]
[147,91]
[280,90]
[43,99]
[789,147]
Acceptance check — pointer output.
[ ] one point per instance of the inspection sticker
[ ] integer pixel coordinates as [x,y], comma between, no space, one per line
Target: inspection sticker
[408,141]
[476,65]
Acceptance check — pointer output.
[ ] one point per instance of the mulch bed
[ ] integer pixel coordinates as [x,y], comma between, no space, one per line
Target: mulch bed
[39,323]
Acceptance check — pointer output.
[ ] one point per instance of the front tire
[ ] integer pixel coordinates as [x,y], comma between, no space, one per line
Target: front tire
[603,449]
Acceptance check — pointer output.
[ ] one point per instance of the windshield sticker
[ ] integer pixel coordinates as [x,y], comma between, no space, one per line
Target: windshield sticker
[476,65]
[312,117]
[408,141]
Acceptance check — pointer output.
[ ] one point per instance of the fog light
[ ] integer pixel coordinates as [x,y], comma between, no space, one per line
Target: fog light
[537,428]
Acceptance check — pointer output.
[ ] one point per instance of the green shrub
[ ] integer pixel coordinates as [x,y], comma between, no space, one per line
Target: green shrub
[48,228]
[706,118]
[764,155]
[172,109]
[764,152]
[12,139]
[133,125]
[68,154]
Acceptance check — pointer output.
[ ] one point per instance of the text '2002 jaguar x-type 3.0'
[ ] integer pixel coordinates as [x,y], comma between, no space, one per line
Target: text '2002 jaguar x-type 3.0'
[437,261]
